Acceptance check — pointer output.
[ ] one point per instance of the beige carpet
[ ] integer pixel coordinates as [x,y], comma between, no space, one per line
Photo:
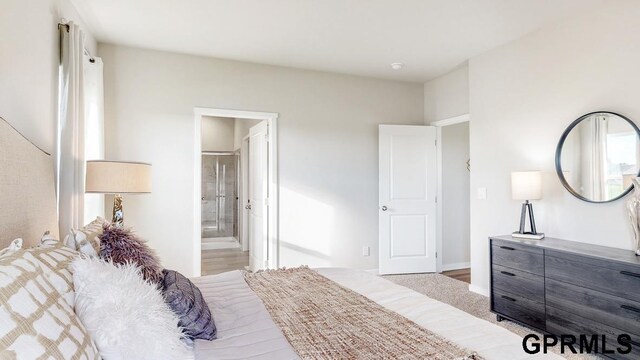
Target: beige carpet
[456,293]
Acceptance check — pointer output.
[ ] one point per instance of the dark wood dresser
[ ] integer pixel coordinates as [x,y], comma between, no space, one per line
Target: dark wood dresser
[567,288]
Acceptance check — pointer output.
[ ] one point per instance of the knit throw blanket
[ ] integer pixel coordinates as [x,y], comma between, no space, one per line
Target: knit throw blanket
[323,320]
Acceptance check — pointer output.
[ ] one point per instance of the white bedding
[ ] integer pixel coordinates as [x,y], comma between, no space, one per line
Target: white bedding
[246,331]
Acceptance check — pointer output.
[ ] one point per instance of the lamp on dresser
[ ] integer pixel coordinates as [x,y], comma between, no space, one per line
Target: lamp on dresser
[527,185]
[118,177]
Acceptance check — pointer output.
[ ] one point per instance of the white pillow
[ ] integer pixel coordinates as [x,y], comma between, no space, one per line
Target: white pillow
[36,315]
[86,239]
[77,240]
[14,246]
[125,315]
[48,240]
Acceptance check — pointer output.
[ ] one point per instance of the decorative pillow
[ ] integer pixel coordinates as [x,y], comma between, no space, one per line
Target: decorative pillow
[14,246]
[122,246]
[125,315]
[185,299]
[35,319]
[48,240]
[87,239]
[55,260]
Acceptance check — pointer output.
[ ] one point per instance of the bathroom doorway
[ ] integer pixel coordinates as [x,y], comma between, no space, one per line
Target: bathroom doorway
[236,191]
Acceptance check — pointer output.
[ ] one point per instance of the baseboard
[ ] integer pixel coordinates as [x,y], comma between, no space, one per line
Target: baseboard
[456,266]
[478,290]
[373,271]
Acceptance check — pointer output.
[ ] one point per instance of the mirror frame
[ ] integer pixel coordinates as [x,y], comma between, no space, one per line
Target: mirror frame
[559,154]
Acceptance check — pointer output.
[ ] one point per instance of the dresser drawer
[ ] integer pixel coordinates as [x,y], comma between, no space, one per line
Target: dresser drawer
[517,256]
[595,305]
[525,284]
[519,308]
[608,277]
[565,323]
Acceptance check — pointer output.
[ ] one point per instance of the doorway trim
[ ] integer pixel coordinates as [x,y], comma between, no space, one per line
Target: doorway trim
[439,125]
[272,260]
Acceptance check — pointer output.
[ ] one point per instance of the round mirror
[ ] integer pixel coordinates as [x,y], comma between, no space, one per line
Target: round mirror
[598,156]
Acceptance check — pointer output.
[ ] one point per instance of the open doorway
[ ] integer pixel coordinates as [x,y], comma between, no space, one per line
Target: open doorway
[236,205]
[454,167]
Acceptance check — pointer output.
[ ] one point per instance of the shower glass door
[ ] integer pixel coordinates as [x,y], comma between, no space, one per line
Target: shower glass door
[219,195]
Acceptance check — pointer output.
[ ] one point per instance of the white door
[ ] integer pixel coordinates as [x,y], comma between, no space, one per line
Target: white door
[244,194]
[407,199]
[258,192]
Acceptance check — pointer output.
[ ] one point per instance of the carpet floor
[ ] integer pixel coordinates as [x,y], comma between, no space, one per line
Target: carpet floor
[456,293]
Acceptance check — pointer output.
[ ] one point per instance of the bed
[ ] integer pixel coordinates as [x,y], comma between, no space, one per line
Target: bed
[246,330]
[246,327]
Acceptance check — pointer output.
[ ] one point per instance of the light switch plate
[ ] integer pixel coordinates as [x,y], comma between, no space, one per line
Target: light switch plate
[482,193]
[366,251]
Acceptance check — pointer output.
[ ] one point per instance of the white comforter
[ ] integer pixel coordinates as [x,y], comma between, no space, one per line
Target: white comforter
[246,331]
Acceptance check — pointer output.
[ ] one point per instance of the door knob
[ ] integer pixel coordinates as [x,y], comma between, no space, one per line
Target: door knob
[202,198]
[384,208]
[248,207]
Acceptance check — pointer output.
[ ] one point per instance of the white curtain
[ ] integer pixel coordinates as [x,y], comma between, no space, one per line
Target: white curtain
[93,130]
[80,114]
[599,130]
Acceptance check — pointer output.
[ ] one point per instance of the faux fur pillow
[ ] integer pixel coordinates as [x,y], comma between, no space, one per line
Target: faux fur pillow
[126,316]
[122,246]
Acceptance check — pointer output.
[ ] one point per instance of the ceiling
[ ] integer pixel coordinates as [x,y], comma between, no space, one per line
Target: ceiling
[360,37]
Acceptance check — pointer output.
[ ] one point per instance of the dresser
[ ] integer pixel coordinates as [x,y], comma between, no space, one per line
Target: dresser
[567,288]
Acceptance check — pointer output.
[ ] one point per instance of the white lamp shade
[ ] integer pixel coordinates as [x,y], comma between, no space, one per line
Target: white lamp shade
[118,177]
[526,185]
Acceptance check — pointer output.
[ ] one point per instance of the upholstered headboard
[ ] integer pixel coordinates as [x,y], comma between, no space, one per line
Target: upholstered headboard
[27,190]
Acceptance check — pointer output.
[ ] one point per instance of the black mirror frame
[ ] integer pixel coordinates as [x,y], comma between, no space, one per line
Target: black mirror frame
[559,153]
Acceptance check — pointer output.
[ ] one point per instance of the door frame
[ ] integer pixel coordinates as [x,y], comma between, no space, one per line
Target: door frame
[439,125]
[244,187]
[273,195]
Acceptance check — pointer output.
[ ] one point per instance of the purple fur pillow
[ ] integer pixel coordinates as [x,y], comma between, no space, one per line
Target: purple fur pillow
[122,245]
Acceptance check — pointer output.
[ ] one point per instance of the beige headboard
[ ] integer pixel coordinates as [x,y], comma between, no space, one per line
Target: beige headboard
[27,189]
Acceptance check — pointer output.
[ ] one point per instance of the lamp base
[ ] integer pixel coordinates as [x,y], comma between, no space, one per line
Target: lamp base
[118,215]
[522,233]
[528,235]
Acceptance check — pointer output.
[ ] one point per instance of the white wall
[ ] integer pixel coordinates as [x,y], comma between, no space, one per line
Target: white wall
[447,96]
[218,133]
[455,196]
[522,96]
[29,48]
[327,147]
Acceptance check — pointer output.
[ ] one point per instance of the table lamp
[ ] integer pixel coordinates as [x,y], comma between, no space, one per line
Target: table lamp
[527,185]
[118,177]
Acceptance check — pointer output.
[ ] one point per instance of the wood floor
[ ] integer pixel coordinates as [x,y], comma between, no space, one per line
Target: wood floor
[222,260]
[461,274]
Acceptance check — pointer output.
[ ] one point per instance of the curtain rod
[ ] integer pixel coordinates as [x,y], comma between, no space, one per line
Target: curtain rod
[86,52]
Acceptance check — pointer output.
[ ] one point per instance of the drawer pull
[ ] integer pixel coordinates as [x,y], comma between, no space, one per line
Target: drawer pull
[507,273]
[629,273]
[510,248]
[630,308]
[508,298]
